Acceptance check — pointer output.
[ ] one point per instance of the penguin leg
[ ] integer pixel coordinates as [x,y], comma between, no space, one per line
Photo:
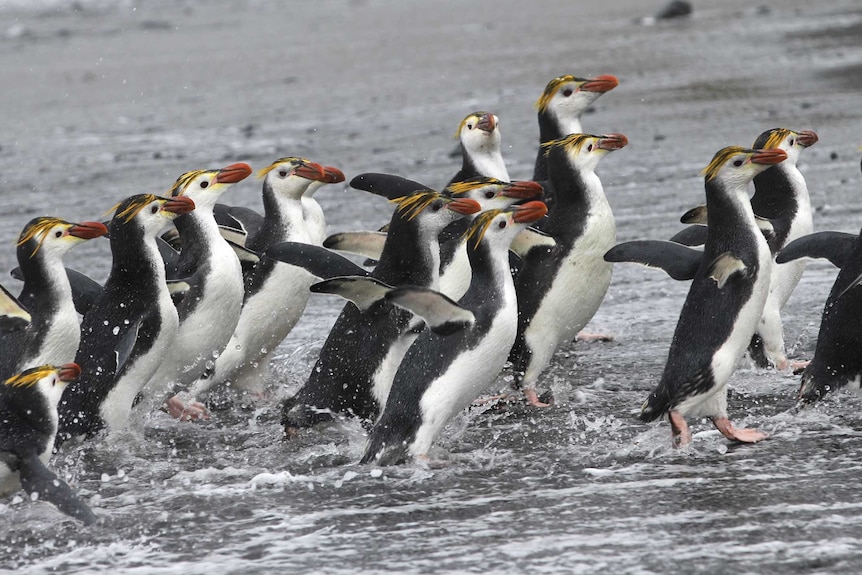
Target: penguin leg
[679,429]
[799,365]
[771,333]
[184,407]
[593,337]
[38,479]
[742,435]
[533,398]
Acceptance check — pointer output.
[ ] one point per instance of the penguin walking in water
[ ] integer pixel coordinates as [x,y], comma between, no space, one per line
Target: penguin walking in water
[560,108]
[127,333]
[52,334]
[28,424]
[355,367]
[561,287]
[724,304]
[441,374]
[275,293]
[210,306]
[312,213]
[837,362]
[479,137]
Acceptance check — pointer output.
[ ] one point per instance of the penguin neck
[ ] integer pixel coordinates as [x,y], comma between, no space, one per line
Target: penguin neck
[200,234]
[485,161]
[728,211]
[778,192]
[282,221]
[136,261]
[491,278]
[46,285]
[577,191]
[413,259]
[552,128]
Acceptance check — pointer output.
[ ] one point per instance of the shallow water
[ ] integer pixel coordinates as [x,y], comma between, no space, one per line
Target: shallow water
[105,99]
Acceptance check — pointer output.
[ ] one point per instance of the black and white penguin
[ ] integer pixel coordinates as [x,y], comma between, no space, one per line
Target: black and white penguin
[560,288]
[479,136]
[28,424]
[210,306]
[275,293]
[312,213]
[560,108]
[52,334]
[355,367]
[837,362]
[724,303]
[441,374]
[126,333]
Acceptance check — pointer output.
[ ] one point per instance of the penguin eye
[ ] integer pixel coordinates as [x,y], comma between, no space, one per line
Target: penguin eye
[590,148]
[490,195]
[154,209]
[436,206]
[58,234]
[282,173]
[567,92]
[469,126]
[737,163]
[791,141]
[502,224]
[204,184]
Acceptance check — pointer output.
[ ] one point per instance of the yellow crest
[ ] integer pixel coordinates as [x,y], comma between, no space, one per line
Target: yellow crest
[412,205]
[719,159]
[776,137]
[261,173]
[551,89]
[38,227]
[480,225]
[459,188]
[134,207]
[572,142]
[183,181]
[31,376]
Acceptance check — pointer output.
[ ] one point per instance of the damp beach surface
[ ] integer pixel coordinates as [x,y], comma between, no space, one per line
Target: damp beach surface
[105,99]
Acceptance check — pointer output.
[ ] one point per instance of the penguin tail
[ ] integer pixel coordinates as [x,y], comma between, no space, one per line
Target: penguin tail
[811,389]
[296,415]
[378,451]
[654,407]
[757,352]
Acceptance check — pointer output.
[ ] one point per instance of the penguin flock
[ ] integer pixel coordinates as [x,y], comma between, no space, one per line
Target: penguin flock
[485,275]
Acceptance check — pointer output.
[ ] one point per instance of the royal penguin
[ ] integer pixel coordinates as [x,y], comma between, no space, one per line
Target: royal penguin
[724,303]
[479,138]
[28,424]
[275,293]
[354,370]
[210,301]
[52,334]
[443,372]
[561,287]
[128,331]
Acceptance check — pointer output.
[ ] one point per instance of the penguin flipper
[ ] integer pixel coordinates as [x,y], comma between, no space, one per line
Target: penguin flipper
[680,262]
[317,261]
[386,185]
[178,290]
[442,315]
[38,479]
[691,236]
[695,235]
[13,315]
[723,267]
[528,239]
[245,255]
[834,246]
[368,244]
[233,236]
[85,290]
[696,215]
[236,223]
[170,256]
[125,343]
[362,291]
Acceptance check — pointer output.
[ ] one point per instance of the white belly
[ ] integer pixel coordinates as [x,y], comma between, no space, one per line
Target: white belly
[62,340]
[315,221]
[456,278]
[382,381]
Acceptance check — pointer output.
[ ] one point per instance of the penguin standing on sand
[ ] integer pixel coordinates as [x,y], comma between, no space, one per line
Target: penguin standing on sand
[561,287]
[126,333]
[724,303]
[209,307]
[52,334]
[441,374]
[479,136]
[28,424]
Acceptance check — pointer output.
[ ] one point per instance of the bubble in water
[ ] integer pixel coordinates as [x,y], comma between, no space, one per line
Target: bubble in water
[722,448]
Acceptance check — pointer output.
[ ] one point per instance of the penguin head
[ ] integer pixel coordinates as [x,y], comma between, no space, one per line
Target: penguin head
[52,237]
[734,167]
[47,380]
[498,228]
[149,212]
[205,187]
[567,97]
[290,177]
[431,211]
[584,151]
[790,141]
[492,193]
[479,133]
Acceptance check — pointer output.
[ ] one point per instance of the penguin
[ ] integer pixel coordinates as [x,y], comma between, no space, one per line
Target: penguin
[355,367]
[560,288]
[209,308]
[724,303]
[28,424]
[479,137]
[560,108]
[312,213]
[52,334]
[275,293]
[126,333]
[836,362]
[441,374]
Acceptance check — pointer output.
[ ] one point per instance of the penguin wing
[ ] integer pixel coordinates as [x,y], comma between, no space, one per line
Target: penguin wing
[386,185]
[13,315]
[317,261]
[680,262]
[85,290]
[41,481]
[233,236]
[125,343]
[528,239]
[178,289]
[723,267]
[170,256]
[368,244]
[691,236]
[442,315]
[362,291]
[236,223]
[837,247]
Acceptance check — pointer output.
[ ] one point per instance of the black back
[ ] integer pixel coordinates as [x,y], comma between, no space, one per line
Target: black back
[26,421]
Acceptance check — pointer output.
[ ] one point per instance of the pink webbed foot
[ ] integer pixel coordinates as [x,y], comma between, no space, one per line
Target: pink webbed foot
[741,435]
[533,398]
[186,411]
[593,337]
[679,429]
[798,366]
